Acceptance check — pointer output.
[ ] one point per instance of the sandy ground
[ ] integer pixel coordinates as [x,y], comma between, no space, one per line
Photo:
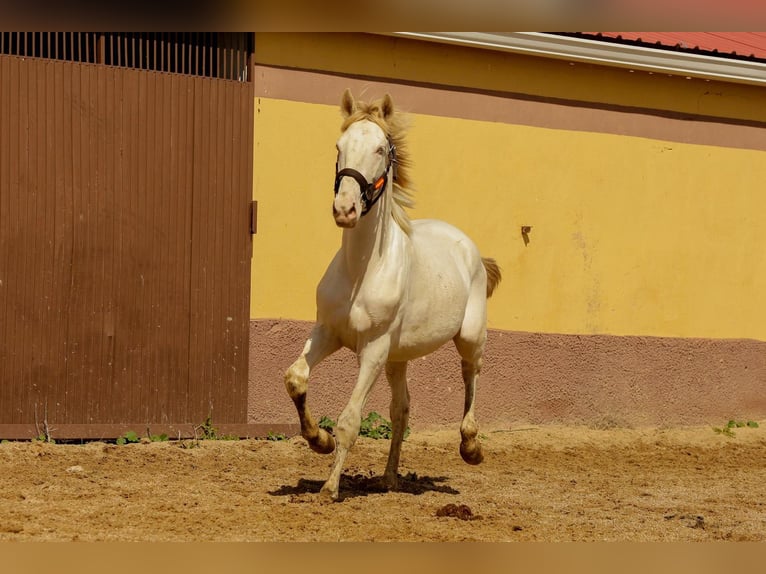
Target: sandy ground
[542,484]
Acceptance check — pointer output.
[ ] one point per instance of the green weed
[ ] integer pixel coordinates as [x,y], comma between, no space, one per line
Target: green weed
[372,426]
[209,432]
[377,427]
[728,429]
[276,436]
[128,437]
[326,423]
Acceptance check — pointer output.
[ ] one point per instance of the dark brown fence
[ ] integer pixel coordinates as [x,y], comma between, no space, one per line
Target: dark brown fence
[223,55]
[124,247]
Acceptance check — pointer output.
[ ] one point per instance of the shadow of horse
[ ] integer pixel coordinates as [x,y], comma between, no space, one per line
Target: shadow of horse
[352,486]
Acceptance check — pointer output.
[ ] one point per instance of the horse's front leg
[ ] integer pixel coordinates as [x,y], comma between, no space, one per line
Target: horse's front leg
[396,373]
[372,358]
[319,345]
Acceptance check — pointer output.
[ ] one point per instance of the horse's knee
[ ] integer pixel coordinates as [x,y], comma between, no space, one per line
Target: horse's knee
[472,366]
[347,428]
[296,378]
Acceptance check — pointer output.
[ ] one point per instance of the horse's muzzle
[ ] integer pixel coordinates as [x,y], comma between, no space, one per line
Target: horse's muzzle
[346,218]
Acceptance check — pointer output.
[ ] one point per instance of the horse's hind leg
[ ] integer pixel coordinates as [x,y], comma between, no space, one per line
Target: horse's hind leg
[319,345]
[396,373]
[470,448]
[470,344]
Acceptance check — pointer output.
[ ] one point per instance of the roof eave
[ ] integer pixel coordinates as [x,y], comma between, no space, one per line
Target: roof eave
[605,54]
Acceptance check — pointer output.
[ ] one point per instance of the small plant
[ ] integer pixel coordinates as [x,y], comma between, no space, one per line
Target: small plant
[209,432]
[727,430]
[188,444]
[158,437]
[326,423]
[128,437]
[42,437]
[375,426]
[276,436]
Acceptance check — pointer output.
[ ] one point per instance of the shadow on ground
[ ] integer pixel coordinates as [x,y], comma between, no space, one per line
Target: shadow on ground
[352,486]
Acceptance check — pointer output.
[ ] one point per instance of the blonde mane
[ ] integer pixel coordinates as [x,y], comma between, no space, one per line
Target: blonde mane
[395,128]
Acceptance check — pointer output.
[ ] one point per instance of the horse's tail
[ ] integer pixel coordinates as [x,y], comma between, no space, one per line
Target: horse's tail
[493,274]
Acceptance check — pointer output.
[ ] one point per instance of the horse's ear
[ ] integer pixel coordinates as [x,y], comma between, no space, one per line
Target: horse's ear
[347,104]
[387,107]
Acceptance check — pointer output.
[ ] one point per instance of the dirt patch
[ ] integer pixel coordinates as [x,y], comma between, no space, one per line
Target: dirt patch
[546,484]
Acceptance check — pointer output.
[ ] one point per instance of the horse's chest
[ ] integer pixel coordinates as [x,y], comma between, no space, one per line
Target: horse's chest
[352,313]
[368,313]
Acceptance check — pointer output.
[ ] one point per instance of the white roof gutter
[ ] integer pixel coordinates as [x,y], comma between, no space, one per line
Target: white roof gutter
[605,54]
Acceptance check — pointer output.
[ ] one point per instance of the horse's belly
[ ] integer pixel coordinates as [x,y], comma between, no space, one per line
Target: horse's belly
[423,334]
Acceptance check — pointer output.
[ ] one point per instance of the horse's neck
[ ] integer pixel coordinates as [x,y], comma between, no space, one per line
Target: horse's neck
[367,246]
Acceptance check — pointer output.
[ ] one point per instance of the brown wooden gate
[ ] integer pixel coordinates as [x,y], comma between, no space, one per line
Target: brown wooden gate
[124,249]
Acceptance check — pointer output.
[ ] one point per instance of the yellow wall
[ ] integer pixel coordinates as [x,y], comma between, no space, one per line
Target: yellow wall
[630,236]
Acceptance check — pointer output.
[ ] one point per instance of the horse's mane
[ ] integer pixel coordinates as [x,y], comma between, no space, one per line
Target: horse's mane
[395,127]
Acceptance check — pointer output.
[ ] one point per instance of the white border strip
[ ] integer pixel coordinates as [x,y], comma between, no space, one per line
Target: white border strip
[605,53]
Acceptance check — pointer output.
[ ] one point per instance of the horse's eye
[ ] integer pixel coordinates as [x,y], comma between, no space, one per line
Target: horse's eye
[380,151]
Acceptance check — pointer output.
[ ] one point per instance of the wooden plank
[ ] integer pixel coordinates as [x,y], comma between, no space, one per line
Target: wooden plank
[148,223]
[200,370]
[15,259]
[175,430]
[108,399]
[6,350]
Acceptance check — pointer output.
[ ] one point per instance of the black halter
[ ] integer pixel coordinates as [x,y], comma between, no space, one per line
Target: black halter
[371,192]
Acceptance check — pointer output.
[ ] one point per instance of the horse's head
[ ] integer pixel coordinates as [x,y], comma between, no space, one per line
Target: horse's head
[365,156]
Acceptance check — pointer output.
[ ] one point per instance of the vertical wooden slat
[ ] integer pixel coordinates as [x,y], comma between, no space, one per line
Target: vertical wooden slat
[13,221]
[186,169]
[7,112]
[25,268]
[6,389]
[198,408]
[130,318]
[141,64]
[117,316]
[74,177]
[105,248]
[196,70]
[33,220]
[224,338]
[59,165]
[146,215]
[48,361]
[162,228]
[116,190]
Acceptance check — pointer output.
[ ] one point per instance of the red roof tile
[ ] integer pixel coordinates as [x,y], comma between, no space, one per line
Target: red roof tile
[728,44]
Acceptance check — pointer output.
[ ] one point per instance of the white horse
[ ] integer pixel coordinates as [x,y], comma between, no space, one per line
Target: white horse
[396,290]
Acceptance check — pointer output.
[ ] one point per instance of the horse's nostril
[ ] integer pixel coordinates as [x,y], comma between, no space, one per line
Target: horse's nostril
[352,211]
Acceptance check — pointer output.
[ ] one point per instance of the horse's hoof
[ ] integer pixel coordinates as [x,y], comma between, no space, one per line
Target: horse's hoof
[471,452]
[327,496]
[390,484]
[323,443]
